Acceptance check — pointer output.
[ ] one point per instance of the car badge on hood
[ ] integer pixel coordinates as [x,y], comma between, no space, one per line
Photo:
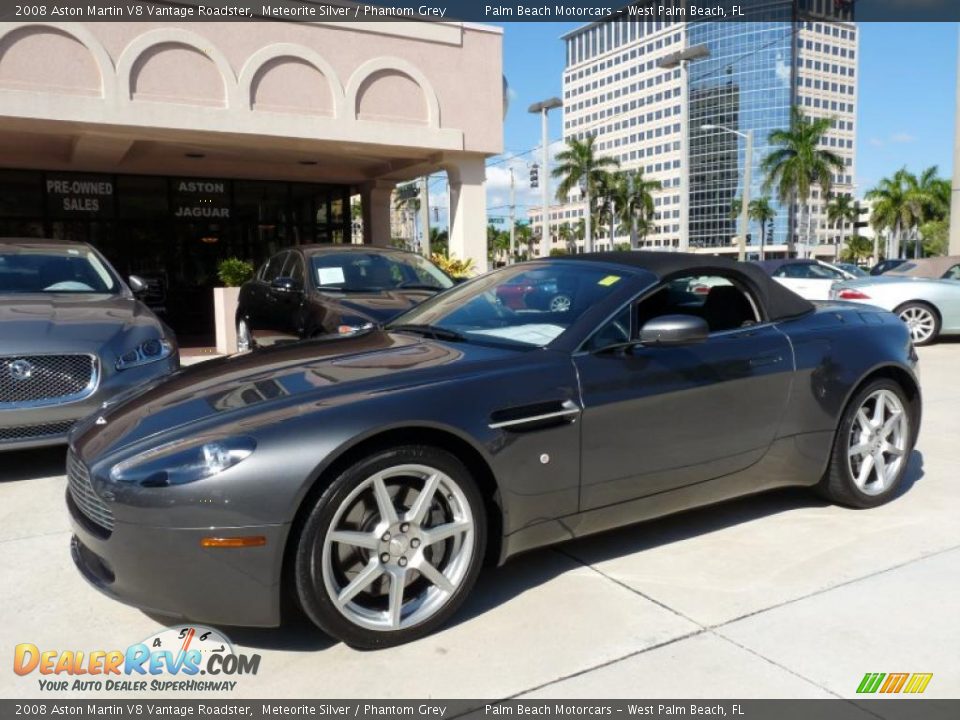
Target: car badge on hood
[101,421]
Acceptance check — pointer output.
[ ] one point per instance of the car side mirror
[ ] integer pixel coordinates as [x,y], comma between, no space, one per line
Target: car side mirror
[672,330]
[285,285]
[137,284]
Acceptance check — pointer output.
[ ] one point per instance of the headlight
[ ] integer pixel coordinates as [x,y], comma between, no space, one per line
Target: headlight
[146,352]
[183,461]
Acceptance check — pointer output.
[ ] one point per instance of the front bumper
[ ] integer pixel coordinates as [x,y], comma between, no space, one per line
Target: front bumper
[22,428]
[166,571]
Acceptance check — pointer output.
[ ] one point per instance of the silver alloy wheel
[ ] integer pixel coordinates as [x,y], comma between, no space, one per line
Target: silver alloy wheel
[921,322]
[877,446]
[560,303]
[386,568]
[243,336]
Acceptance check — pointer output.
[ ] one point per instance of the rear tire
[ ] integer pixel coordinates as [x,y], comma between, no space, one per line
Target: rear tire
[922,320]
[872,447]
[392,547]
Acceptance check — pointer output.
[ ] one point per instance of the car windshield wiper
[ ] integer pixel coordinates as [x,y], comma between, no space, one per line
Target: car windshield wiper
[437,333]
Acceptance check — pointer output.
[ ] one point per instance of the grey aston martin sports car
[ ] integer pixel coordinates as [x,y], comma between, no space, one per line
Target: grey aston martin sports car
[72,336]
[368,477]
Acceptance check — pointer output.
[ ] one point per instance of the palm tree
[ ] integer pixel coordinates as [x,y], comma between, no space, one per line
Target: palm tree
[895,207]
[857,248]
[634,203]
[762,211]
[524,236]
[841,209]
[798,162]
[578,166]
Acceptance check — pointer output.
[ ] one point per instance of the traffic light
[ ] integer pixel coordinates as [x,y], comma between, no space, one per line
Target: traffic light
[534,176]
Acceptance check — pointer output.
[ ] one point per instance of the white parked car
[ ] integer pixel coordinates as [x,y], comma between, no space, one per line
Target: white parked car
[810,279]
[925,294]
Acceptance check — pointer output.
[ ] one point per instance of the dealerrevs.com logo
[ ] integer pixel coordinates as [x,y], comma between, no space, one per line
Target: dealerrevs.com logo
[893,683]
[176,659]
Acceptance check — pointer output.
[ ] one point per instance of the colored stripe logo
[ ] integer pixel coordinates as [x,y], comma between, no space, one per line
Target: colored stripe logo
[890,683]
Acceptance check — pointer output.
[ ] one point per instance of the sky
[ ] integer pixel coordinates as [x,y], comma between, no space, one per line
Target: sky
[907,104]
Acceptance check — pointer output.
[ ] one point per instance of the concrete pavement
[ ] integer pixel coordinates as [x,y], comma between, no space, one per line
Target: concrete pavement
[780,595]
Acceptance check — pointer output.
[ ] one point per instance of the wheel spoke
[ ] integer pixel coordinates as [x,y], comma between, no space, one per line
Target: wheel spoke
[420,506]
[891,423]
[397,583]
[879,410]
[442,532]
[863,420]
[865,468]
[891,449]
[861,449]
[356,539]
[371,572]
[388,513]
[435,576]
[881,466]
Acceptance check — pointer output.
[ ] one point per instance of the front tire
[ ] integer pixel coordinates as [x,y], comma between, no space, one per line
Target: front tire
[872,447]
[922,321]
[392,547]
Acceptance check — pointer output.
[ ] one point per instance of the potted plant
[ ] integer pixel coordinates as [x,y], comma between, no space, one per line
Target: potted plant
[233,273]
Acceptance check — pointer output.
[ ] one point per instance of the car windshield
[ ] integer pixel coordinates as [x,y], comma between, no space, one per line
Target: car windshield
[54,270]
[375,272]
[527,305]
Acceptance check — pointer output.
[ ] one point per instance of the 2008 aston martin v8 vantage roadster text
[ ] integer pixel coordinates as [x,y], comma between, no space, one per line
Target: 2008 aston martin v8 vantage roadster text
[368,477]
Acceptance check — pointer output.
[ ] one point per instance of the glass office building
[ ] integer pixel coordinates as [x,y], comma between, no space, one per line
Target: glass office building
[786,53]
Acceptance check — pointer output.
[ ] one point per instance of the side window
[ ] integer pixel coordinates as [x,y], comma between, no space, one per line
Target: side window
[271,271]
[293,267]
[953,273]
[722,304]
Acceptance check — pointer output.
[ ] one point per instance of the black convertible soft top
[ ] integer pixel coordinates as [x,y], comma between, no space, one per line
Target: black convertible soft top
[780,303]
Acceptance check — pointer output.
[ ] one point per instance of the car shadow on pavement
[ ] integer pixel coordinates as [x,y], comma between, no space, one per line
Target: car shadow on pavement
[32,464]
[499,585]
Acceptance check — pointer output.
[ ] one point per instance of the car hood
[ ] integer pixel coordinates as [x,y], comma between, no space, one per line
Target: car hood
[283,381]
[382,306]
[62,322]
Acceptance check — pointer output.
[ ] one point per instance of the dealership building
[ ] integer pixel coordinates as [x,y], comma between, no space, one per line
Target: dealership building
[172,146]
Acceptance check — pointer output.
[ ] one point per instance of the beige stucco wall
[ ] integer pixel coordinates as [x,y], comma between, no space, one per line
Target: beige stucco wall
[404,84]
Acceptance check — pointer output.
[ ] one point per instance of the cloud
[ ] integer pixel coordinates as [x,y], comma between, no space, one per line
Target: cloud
[902,137]
[876,142]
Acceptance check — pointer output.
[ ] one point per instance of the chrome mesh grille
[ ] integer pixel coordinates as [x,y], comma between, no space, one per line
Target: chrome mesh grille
[83,495]
[33,380]
[34,432]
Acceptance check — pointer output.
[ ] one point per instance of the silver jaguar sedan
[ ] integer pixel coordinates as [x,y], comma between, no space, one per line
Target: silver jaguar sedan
[73,336]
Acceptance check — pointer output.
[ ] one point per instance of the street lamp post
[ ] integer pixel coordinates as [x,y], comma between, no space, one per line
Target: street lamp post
[543,107]
[682,59]
[747,180]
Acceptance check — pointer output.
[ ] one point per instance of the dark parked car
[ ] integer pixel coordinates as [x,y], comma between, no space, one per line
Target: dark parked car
[72,336]
[313,290]
[885,265]
[369,477]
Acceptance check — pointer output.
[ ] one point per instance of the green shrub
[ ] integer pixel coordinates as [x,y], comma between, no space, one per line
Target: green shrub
[234,272]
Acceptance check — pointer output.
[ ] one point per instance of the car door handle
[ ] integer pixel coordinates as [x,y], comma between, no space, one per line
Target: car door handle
[765,360]
[530,416]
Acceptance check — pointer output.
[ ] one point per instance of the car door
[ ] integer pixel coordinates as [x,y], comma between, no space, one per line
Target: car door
[263,317]
[286,304]
[811,281]
[659,418]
